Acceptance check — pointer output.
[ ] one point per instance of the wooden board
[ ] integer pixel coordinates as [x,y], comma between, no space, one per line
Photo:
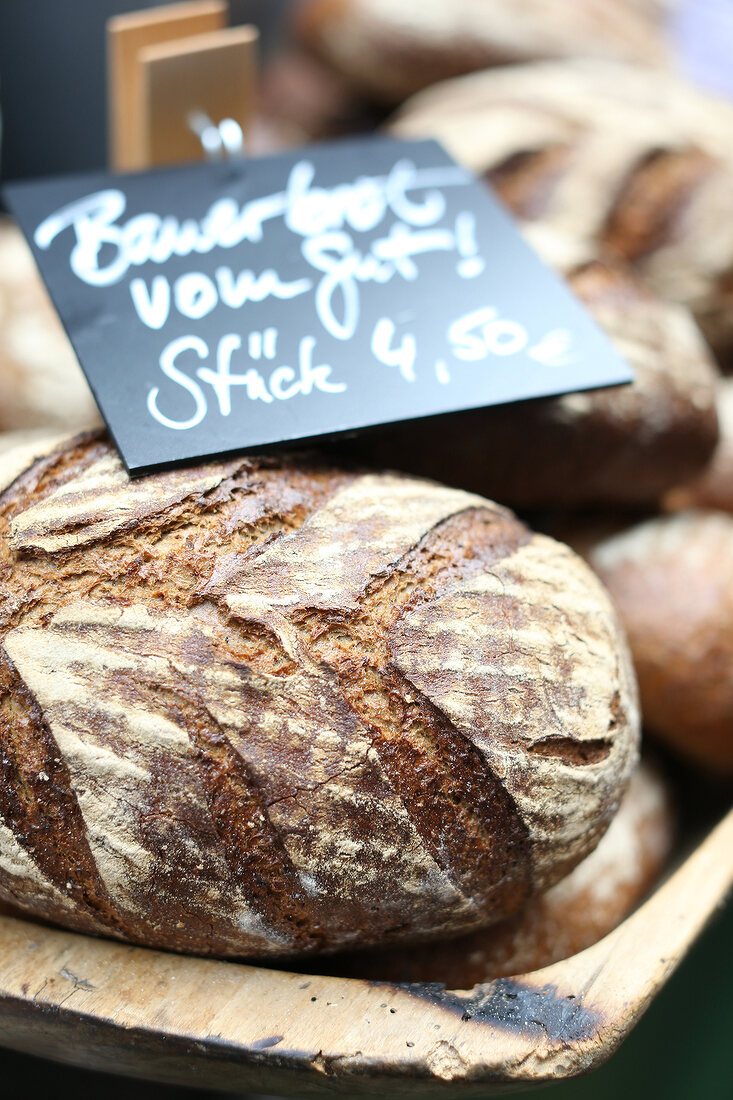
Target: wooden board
[127,35]
[223,1025]
[213,73]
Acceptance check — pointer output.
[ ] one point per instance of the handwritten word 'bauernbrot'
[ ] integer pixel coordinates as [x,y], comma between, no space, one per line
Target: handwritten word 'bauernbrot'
[308,211]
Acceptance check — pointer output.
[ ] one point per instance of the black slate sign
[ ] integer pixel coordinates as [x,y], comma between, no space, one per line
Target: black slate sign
[217,308]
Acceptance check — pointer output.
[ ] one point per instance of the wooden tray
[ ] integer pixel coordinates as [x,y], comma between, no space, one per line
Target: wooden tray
[173,1018]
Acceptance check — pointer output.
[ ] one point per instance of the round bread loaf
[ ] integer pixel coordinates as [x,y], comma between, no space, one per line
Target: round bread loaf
[632,164]
[624,445]
[576,912]
[391,50]
[41,382]
[714,487]
[264,707]
[671,580]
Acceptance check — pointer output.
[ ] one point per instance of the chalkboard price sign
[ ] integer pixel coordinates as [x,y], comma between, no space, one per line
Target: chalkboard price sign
[219,308]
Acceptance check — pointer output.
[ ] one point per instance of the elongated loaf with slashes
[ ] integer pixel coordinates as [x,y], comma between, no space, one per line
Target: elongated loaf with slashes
[391,50]
[266,707]
[624,445]
[634,165]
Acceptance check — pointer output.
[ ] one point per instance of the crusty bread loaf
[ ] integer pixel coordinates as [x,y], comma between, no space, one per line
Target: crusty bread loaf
[632,164]
[266,707]
[625,445]
[576,912]
[671,579]
[391,50]
[714,486]
[41,382]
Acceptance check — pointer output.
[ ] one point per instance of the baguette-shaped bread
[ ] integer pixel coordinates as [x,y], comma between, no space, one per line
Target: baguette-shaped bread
[265,707]
[632,164]
[624,445]
[579,910]
[41,382]
[390,50]
[671,579]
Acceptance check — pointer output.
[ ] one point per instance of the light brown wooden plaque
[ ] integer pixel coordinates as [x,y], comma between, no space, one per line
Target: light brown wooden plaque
[222,1025]
[214,73]
[127,35]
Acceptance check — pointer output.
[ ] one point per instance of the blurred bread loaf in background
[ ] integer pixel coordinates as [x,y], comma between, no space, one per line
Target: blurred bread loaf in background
[391,49]
[671,580]
[714,486]
[634,165]
[41,382]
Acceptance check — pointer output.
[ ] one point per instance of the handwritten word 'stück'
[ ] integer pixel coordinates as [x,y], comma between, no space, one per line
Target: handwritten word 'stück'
[220,308]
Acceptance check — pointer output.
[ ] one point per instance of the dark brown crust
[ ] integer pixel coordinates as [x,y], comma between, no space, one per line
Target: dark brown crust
[576,913]
[468,822]
[306,99]
[254,852]
[649,206]
[44,814]
[236,763]
[672,581]
[37,801]
[713,488]
[526,179]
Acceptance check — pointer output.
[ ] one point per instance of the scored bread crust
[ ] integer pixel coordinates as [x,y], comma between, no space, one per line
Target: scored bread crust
[633,165]
[268,707]
[391,50]
[575,913]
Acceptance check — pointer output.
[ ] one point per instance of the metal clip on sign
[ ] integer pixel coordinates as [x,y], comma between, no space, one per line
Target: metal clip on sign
[218,142]
[171,71]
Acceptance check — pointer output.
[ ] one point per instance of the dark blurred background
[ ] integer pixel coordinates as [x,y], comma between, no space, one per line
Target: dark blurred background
[53,79]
